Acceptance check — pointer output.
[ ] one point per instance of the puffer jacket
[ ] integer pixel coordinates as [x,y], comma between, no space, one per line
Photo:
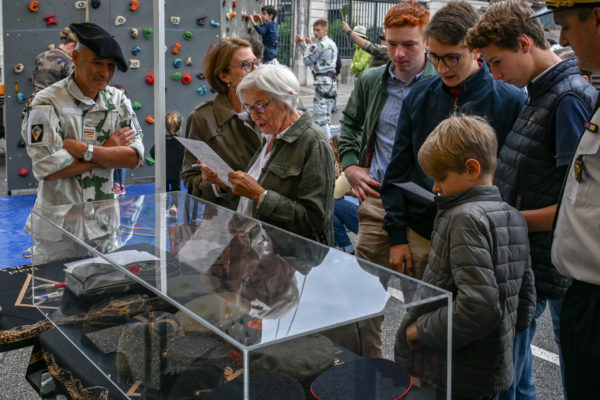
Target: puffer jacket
[480,253]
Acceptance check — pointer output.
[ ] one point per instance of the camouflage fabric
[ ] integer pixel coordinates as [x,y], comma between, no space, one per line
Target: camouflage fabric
[321,56]
[63,111]
[50,67]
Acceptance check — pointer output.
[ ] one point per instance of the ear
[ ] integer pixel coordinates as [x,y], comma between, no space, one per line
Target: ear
[224,77]
[523,43]
[473,168]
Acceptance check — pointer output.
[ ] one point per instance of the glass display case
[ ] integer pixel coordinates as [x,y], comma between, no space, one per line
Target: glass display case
[196,298]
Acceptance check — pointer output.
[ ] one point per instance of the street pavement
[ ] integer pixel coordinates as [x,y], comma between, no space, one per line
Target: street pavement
[546,372]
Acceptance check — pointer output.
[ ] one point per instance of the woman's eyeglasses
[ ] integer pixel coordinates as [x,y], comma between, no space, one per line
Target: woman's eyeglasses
[257,108]
[449,61]
[249,65]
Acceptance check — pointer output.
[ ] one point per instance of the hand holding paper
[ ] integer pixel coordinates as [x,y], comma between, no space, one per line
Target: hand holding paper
[211,160]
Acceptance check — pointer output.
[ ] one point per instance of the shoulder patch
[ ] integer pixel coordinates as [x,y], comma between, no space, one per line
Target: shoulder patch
[39,125]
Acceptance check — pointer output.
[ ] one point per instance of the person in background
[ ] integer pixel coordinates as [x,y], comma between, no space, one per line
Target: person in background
[54,64]
[119,174]
[267,29]
[257,47]
[345,214]
[575,248]
[361,59]
[479,252]
[367,135]
[289,182]
[463,83]
[174,157]
[534,159]
[379,52]
[321,56]
[222,122]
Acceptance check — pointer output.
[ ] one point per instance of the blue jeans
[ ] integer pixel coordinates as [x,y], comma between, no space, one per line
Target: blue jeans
[345,215]
[523,387]
[119,176]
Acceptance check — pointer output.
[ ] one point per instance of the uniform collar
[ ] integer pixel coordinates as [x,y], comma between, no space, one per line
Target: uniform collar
[104,101]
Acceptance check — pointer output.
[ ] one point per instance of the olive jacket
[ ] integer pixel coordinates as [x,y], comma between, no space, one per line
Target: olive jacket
[233,138]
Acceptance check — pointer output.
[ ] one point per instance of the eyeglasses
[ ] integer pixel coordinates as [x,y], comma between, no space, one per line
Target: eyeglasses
[257,108]
[449,61]
[248,66]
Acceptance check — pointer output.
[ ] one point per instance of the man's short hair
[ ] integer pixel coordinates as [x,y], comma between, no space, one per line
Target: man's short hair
[270,10]
[320,22]
[501,25]
[451,23]
[406,13]
[454,141]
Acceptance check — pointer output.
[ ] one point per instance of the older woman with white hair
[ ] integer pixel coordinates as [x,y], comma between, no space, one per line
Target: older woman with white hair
[289,183]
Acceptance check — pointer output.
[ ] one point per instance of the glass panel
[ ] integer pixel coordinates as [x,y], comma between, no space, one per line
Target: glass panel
[221,282]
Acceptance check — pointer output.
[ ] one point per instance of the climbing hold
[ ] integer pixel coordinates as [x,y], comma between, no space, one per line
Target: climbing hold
[23,172]
[80,5]
[21,143]
[19,68]
[120,20]
[133,63]
[214,23]
[134,5]
[234,4]
[51,46]
[136,105]
[244,16]
[95,4]
[232,15]
[176,48]
[201,76]
[188,61]
[176,76]
[51,19]
[148,33]
[150,78]
[177,62]
[186,79]
[201,90]
[34,6]
[150,160]
[201,20]
[175,20]
[136,50]
[134,32]
[187,35]
[149,119]
[21,98]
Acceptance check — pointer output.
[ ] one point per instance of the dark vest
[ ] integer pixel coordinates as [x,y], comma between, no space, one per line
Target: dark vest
[527,175]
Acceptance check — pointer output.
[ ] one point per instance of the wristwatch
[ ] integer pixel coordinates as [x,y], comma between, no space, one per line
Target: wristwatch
[89,153]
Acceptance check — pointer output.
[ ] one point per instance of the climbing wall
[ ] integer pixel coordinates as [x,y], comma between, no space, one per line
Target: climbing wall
[191,26]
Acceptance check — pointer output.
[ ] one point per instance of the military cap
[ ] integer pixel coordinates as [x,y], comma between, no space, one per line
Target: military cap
[559,5]
[102,43]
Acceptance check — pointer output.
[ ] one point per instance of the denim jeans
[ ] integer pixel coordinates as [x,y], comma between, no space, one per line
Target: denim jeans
[523,387]
[345,216]
[119,176]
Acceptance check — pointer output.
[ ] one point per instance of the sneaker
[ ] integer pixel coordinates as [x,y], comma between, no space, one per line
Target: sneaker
[117,189]
[123,191]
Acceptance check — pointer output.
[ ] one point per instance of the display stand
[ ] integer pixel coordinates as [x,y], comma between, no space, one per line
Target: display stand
[233,298]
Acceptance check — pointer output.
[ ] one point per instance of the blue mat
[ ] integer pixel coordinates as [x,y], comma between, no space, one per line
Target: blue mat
[14,211]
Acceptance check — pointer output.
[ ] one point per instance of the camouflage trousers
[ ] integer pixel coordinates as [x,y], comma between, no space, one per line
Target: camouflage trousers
[323,102]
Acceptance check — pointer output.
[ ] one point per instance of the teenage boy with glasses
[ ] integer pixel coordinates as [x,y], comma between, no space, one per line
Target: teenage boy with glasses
[463,84]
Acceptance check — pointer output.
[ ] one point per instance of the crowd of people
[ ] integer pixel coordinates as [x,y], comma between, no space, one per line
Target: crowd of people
[476,109]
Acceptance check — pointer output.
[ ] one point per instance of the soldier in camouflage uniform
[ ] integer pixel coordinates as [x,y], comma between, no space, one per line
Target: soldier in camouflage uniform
[55,64]
[78,130]
[321,57]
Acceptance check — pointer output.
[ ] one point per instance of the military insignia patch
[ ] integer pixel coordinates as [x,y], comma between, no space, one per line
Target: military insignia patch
[591,127]
[37,133]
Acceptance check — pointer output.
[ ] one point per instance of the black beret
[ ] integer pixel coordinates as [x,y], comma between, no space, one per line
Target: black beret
[102,43]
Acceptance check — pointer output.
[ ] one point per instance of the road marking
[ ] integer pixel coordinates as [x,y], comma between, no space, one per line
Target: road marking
[545,355]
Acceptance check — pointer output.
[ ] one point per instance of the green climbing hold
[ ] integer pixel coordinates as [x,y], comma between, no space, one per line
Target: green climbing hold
[136,105]
[187,35]
[176,76]
[148,33]
[150,160]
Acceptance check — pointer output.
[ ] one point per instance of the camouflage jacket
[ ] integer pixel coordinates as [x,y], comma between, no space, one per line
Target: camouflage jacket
[63,111]
[320,56]
[50,67]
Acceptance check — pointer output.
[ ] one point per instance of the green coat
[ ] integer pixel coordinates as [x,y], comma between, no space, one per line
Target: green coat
[362,113]
[360,61]
[299,177]
[231,137]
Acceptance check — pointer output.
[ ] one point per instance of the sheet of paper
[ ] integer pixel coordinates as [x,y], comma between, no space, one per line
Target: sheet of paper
[204,153]
[416,189]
